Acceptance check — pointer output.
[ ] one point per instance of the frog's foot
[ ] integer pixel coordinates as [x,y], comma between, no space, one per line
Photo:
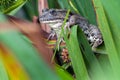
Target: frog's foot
[52,34]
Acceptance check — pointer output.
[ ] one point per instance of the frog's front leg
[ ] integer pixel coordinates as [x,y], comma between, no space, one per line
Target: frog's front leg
[52,34]
[53,30]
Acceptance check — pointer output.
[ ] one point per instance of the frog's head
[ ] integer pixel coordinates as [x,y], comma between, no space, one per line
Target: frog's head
[53,16]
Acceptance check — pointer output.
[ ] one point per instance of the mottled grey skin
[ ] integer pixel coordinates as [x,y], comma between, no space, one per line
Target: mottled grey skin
[55,18]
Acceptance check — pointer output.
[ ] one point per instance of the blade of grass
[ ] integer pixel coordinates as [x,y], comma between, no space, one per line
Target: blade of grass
[65,4]
[74,8]
[61,34]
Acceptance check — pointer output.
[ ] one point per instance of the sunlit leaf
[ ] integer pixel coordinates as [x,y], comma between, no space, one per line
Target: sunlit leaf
[13,67]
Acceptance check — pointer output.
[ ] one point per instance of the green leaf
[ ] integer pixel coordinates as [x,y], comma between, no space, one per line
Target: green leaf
[108,34]
[106,67]
[63,73]
[28,56]
[113,17]
[76,56]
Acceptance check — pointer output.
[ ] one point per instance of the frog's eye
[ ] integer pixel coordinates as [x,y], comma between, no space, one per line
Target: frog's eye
[53,12]
[72,20]
[44,10]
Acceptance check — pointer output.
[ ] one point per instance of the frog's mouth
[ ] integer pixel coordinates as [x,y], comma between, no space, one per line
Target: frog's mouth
[51,20]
